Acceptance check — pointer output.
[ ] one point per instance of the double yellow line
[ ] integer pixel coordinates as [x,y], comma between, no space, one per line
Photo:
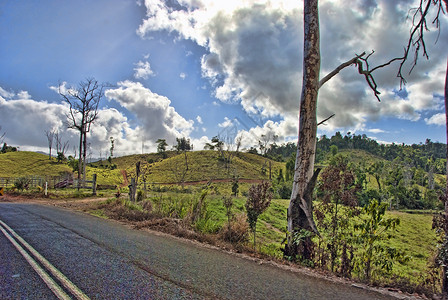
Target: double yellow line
[15,239]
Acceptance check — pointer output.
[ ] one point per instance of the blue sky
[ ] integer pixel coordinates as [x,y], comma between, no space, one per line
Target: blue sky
[202,68]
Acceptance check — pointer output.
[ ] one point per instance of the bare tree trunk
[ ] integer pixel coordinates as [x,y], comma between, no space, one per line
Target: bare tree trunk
[300,207]
[80,159]
[445,267]
[84,160]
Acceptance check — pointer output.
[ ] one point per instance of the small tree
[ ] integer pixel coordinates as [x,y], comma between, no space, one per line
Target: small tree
[161,147]
[228,204]
[112,147]
[373,232]
[257,202]
[235,186]
[339,199]
[60,147]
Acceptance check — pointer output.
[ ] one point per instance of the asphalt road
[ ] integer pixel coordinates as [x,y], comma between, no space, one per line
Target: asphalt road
[107,260]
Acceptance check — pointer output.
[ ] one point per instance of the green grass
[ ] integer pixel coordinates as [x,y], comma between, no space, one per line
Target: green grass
[24,163]
[415,236]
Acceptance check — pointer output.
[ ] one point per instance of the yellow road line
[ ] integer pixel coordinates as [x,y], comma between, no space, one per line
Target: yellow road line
[54,287]
[55,272]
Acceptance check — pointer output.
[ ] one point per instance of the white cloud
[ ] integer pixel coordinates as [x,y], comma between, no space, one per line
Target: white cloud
[25,120]
[199,119]
[227,123]
[255,55]
[182,75]
[143,70]
[154,113]
[5,94]
[437,119]
[375,130]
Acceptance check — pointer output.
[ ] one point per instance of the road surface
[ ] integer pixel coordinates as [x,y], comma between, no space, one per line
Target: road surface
[102,259]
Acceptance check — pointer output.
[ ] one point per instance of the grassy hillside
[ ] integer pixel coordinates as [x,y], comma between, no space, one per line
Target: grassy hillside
[202,165]
[24,163]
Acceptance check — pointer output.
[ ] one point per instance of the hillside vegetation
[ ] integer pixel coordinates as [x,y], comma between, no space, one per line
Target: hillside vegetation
[24,163]
[202,166]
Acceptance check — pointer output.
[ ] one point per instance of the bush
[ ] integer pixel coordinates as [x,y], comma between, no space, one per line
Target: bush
[140,196]
[22,183]
[284,191]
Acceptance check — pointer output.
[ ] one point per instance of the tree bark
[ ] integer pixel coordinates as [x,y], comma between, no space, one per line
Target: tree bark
[84,155]
[80,159]
[300,207]
[445,267]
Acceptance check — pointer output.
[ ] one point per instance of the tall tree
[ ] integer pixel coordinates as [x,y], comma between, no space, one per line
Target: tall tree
[300,211]
[83,101]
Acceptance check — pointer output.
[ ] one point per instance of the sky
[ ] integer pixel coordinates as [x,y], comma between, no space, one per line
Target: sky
[205,68]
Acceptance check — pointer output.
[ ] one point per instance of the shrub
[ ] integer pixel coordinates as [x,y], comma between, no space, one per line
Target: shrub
[140,196]
[257,202]
[22,183]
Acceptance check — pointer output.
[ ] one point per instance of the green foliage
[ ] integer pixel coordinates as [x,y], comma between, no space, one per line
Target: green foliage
[6,149]
[373,231]
[73,163]
[22,183]
[161,146]
[338,191]
[140,196]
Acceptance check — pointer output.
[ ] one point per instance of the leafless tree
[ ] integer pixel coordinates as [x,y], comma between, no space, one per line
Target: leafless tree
[50,138]
[83,101]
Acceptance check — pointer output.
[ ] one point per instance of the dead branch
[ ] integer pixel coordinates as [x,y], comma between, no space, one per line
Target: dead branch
[325,120]
[339,68]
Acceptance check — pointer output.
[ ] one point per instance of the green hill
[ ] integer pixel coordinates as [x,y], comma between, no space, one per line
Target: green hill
[24,163]
[202,166]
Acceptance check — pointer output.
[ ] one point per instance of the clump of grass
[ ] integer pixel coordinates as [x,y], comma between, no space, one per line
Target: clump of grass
[237,231]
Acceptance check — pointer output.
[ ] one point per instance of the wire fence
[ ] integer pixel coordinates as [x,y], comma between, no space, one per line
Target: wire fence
[35,181]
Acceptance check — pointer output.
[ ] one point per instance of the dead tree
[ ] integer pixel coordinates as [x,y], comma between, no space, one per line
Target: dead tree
[83,102]
[50,138]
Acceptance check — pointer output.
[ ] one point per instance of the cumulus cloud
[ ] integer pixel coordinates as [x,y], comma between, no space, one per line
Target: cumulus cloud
[437,119]
[155,115]
[182,75]
[199,119]
[25,120]
[143,70]
[255,55]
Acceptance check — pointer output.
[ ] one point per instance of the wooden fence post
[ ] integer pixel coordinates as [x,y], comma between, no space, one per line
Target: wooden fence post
[132,189]
[94,185]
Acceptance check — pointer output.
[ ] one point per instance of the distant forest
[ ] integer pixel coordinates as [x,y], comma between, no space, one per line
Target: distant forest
[426,156]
